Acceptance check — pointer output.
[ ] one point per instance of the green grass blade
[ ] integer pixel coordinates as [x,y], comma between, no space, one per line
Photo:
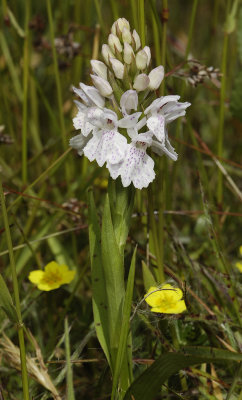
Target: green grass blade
[99,297]
[69,376]
[6,301]
[124,327]
[149,383]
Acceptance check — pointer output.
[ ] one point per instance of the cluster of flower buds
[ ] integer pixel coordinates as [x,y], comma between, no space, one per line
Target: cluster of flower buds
[119,117]
[125,60]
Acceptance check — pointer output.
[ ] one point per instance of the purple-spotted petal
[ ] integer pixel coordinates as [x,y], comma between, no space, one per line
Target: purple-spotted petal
[129,121]
[106,146]
[156,124]
[137,167]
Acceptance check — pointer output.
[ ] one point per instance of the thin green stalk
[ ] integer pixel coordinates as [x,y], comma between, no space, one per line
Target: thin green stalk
[134,14]
[114,6]
[221,115]
[16,298]
[58,85]
[163,40]
[155,237]
[183,87]
[156,34]
[100,17]
[25,93]
[69,374]
[141,21]
[11,67]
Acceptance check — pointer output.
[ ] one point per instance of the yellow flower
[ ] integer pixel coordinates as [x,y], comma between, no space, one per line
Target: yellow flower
[240,250]
[53,276]
[165,300]
[239,265]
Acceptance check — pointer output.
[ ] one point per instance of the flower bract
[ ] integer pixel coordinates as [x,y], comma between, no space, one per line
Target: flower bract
[52,277]
[165,300]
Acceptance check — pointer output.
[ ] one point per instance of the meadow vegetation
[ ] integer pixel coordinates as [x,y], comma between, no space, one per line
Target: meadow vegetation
[185,227]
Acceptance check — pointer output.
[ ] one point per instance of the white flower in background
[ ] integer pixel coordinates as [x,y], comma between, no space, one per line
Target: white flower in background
[116,127]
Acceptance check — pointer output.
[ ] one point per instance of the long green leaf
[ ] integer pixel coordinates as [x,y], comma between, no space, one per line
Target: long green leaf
[99,297]
[149,383]
[114,276]
[122,347]
[6,301]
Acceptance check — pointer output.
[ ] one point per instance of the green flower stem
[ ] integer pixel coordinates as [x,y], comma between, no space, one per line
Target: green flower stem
[221,110]
[16,298]
[183,87]
[25,92]
[134,14]
[114,6]
[163,40]
[141,21]
[58,86]
[156,33]
[158,248]
[100,18]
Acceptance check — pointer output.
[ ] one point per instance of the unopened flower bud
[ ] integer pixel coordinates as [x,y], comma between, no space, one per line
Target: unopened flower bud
[121,23]
[147,50]
[141,59]
[129,101]
[99,68]
[118,68]
[137,40]
[114,43]
[126,35]
[107,53]
[141,82]
[104,88]
[156,76]
[128,53]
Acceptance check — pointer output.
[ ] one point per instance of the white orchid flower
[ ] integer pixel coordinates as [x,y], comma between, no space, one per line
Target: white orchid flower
[137,167]
[161,112]
[107,144]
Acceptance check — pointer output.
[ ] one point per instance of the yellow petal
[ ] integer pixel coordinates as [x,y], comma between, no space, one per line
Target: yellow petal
[153,299]
[36,276]
[240,250]
[47,287]
[68,276]
[177,308]
[52,267]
